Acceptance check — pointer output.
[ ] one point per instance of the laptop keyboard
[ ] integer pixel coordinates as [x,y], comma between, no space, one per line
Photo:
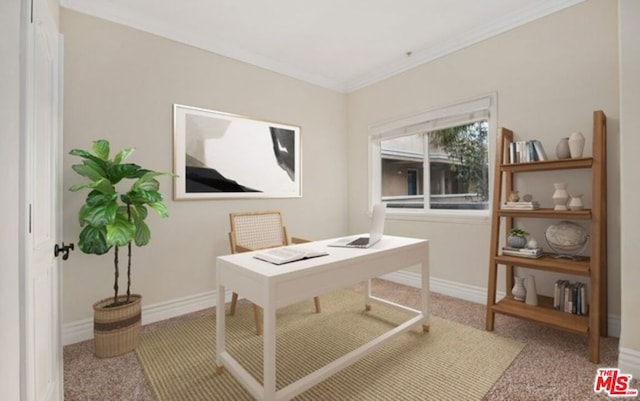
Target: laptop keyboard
[359,241]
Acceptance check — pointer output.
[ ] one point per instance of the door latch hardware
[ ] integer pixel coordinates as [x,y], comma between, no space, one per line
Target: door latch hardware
[64,249]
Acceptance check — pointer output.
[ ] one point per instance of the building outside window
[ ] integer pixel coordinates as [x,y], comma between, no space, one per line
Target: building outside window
[445,151]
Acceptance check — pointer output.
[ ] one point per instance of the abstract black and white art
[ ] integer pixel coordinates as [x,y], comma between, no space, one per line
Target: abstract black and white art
[221,155]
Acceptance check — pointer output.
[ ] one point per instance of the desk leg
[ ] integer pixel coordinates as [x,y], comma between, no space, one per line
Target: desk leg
[424,292]
[269,351]
[367,296]
[220,329]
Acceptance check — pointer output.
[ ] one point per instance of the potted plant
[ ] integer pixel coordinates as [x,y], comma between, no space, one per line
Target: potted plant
[517,238]
[112,218]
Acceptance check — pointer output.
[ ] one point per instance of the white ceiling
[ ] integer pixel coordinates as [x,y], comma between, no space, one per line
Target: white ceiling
[339,44]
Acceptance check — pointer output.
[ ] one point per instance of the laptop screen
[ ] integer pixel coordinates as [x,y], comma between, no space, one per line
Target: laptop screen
[377,222]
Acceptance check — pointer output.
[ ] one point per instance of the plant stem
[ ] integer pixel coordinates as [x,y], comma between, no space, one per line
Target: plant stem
[117,274]
[129,273]
[129,257]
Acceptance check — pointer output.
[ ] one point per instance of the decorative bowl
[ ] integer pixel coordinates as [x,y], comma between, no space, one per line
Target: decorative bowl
[566,236]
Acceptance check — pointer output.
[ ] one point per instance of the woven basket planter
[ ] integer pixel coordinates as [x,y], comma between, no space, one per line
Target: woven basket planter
[116,330]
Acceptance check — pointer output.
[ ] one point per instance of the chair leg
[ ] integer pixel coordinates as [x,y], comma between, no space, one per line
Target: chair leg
[316,300]
[257,313]
[234,301]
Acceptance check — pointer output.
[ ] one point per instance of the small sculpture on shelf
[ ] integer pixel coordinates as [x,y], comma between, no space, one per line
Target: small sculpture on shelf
[518,290]
[576,145]
[560,196]
[575,202]
[531,293]
[562,149]
[567,239]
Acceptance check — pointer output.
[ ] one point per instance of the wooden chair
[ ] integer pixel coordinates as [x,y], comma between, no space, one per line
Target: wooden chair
[251,231]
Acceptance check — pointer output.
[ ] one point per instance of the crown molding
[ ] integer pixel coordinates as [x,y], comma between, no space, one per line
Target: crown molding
[422,56]
[115,13]
[119,15]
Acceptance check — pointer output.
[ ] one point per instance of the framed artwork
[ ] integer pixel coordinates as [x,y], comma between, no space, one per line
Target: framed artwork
[222,155]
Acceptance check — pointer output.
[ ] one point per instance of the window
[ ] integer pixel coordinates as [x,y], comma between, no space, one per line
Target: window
[435,160]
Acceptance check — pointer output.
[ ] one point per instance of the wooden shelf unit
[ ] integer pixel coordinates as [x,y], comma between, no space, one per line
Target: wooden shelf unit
[593,267]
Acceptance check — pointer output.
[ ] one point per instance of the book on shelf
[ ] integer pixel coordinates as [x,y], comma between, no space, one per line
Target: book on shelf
[526,151]
[571,297]
[533,253]
[521,205]
[279,256]
[539,150]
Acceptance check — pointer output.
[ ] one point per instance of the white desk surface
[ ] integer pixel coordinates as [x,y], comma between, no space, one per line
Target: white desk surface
[274,286]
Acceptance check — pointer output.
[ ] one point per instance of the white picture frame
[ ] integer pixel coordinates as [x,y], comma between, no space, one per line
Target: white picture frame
[223,155]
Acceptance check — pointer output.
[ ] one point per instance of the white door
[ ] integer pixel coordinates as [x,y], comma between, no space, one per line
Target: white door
[42,364]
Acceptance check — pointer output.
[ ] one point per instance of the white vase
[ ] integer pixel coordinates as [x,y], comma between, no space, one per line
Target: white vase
[518,290]
[560,196]
[531,296]
[562,149]
[576,144]
[575,203]
[532,243]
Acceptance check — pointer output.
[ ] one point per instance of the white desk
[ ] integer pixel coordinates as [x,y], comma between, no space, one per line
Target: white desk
[273,287]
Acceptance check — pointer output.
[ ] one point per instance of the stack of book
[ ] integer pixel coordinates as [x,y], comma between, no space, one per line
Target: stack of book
[571,297]
[532,253]
[521,205]
[526,151]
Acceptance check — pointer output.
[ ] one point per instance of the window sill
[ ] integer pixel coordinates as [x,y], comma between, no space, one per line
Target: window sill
[481,217]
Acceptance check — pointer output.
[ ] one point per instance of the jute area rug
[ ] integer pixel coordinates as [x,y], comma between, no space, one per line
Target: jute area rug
[451,362]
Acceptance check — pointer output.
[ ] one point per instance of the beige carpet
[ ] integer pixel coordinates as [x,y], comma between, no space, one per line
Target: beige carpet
[452,361]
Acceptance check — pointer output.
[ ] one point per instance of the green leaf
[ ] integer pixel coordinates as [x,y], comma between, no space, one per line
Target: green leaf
[97,164]
[141,196]
[120,232]
[160,208]
[140,211]
[150,185]
[146,178]
[101,149]
[97,198]
[98,215]
[91,160]
[143,234]
[77,187]
[88,171]
[103,186]
[122,155]
[81,153]
[93,240]
[119,171]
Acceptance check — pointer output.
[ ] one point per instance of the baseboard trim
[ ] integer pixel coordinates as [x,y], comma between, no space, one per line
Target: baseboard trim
[471,293]
[82,330]
[454,289]
[629,362]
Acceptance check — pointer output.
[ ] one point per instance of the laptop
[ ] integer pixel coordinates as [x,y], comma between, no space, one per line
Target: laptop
[375,231]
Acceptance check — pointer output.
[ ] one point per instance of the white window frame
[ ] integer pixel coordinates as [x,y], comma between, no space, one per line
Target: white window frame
[456,114]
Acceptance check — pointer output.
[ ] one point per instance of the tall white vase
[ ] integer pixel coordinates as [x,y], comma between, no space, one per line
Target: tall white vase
[562,149]
[576,144]
[560,196]
[531,297]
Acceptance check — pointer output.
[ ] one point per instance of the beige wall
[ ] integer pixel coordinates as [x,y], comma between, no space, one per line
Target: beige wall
[550,75]
[120,85]
[630,191]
